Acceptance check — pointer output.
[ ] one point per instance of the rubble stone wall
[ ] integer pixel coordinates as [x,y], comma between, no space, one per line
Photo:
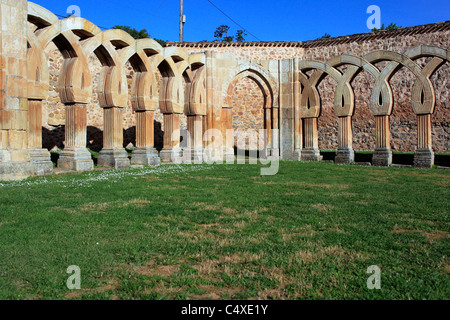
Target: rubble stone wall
[247,97]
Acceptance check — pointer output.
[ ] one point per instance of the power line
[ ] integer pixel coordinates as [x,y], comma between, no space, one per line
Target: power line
[162,3]
[233,20]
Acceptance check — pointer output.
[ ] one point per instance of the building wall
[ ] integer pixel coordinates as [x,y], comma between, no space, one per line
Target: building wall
[246,95]
[403,120]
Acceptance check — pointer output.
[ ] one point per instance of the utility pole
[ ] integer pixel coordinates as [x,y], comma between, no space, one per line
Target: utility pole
[182,20]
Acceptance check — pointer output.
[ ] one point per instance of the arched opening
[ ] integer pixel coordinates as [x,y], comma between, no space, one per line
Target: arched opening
[247,107]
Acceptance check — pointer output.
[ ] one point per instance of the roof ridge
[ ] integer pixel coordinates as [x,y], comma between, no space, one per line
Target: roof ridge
[425,28]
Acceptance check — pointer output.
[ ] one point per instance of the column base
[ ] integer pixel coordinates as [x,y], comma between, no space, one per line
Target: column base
[41,162]
[145,156]
[424,158]
[78,159]
[297,155]
[5,156]
[15,171]
[190,156]
[171,155]
[382,157]
[228,155]
[114,158]
[311,155]
[276,153]
[216,155]
[345,156]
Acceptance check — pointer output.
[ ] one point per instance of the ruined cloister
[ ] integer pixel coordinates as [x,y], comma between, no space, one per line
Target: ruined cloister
[199,85]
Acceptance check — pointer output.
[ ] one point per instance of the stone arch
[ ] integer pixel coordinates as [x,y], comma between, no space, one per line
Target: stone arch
[269,91]
[38,75]
[257,73]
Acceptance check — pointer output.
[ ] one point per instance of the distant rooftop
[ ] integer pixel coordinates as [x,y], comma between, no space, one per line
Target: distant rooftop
[381,34]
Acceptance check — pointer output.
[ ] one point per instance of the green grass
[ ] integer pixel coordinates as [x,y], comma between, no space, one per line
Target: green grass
[225,232]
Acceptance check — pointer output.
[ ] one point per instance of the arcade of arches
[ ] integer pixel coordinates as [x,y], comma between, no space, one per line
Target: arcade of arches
[67,85]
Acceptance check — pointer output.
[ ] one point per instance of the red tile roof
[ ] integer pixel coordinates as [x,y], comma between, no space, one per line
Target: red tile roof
[382,34]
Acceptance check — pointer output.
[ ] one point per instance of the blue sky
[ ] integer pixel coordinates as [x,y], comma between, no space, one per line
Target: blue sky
[276,20]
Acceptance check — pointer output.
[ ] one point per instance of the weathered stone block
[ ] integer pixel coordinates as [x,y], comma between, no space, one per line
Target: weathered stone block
[311,155]
[78,159]
[19,156]
[3,139]
[345,155]
[114,158]
[382,157]
[171,155]
[17,139]
[145,156]
[15,171]
[424,158]
[41,162]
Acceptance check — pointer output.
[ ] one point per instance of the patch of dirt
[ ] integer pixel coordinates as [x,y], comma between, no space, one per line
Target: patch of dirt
[162,289]
[273,294]
[229,211]
[447,267]
[215,293]
[323,207]
[74,294]
[309,256]
[207,206]
[266,183]
[138,202]
[151,269]
[65,209]
[306,184]
[307,230]
[430,235]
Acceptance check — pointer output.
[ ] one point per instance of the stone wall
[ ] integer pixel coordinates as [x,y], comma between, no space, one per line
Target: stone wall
[53,115]
[247,103]
[248,110]
[403,120]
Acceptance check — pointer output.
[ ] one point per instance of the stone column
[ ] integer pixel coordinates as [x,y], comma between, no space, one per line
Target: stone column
[310,151]
[113,155]
[39,157]
[75,156]
[194,125]
[267,132]
[14,155]
[383,153]
[298,123]
[145,153]
[275,132]
[171,150]
[204,130]
[424,155]
[209,103]
[228,141]
[345,153]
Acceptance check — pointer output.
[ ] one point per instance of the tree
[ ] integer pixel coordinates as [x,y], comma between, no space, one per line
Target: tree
[240,34]
[391,26]
[161,42]
[221,32]
[325,36]
[142,34]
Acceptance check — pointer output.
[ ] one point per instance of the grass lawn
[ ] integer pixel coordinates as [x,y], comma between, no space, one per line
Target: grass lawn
[225,232]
